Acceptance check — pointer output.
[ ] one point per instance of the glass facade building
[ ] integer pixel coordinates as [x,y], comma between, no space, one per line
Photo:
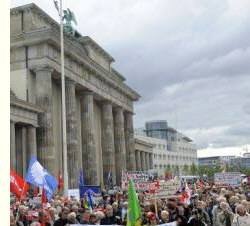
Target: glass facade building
[157,129]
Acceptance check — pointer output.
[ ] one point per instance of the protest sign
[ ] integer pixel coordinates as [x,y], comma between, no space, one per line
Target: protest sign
[140,179]
[227,179]
[166,189]
[74,193]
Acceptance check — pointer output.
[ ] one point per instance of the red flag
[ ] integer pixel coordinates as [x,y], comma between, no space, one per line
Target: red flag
[60,182]
[44,199]
[201,185]
[17,184]
[36,191]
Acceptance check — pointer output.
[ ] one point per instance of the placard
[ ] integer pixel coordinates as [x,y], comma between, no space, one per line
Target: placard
[75,193]
[227,179]
[140,179]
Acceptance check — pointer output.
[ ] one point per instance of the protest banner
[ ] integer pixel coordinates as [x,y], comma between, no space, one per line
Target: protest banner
[227,179]
[166,189]
[140,179]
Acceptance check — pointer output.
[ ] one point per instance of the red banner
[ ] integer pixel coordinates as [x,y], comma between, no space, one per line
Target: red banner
[18,186]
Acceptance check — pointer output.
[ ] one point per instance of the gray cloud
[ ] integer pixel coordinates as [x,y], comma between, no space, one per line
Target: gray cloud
[189,60]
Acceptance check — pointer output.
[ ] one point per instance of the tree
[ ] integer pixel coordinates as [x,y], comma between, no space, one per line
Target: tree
[193,169]
[186,168]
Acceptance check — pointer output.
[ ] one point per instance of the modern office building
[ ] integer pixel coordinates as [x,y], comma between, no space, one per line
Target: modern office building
[170,148]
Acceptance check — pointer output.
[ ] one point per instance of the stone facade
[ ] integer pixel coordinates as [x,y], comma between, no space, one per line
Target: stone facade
[184,154]
[99,105]
[143,155]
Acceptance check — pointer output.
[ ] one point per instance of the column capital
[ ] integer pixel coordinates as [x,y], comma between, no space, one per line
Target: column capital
[85,92]
[104,102]
[43,68]
[118,108]
[129,113]
[69,81]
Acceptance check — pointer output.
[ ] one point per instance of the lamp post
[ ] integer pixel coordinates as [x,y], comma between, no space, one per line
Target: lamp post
[65,159]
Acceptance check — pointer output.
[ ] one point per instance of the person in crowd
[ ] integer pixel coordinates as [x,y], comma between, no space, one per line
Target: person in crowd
[52,214]
[181,220]
[110,218]
[203,214]
[100,215]
[22,218]
[164,217]
[93,218]
[242,218]
[85,216]
[153,220]
[116,210]
[196,219]
[225,217]
[35,223]
[75,209]
[72,218]
[63,217]
[216,210]
[43,218]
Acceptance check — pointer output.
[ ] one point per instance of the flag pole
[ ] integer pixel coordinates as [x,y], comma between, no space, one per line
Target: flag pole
[65,167]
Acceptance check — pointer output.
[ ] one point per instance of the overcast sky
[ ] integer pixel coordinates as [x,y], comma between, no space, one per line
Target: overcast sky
[188,59]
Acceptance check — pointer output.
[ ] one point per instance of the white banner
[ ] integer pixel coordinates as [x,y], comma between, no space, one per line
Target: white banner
[225,179]
[166,189]
[75,193]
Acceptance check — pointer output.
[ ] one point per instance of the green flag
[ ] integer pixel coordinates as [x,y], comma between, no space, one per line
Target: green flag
[133,214]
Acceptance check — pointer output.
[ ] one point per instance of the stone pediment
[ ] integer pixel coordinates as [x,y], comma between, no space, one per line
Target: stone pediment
[96,52]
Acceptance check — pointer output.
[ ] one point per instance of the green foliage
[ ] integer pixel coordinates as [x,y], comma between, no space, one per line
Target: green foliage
[210,170]
[193,169]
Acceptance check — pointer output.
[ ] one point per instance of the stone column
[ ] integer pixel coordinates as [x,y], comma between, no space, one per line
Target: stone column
[143,161]
[151,161]
[31,144]
[24,150]
[88,139]
[138,160]
[12,146]
[45,138]
[73,154]
[129,139]
[120,149]
[108,148]
[147,160]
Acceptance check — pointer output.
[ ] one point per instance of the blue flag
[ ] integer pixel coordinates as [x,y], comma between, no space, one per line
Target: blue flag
[81,184]
[40,177]
[110,180]
[90,201]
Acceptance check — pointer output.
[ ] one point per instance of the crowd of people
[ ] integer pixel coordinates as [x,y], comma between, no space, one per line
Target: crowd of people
[209,206]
